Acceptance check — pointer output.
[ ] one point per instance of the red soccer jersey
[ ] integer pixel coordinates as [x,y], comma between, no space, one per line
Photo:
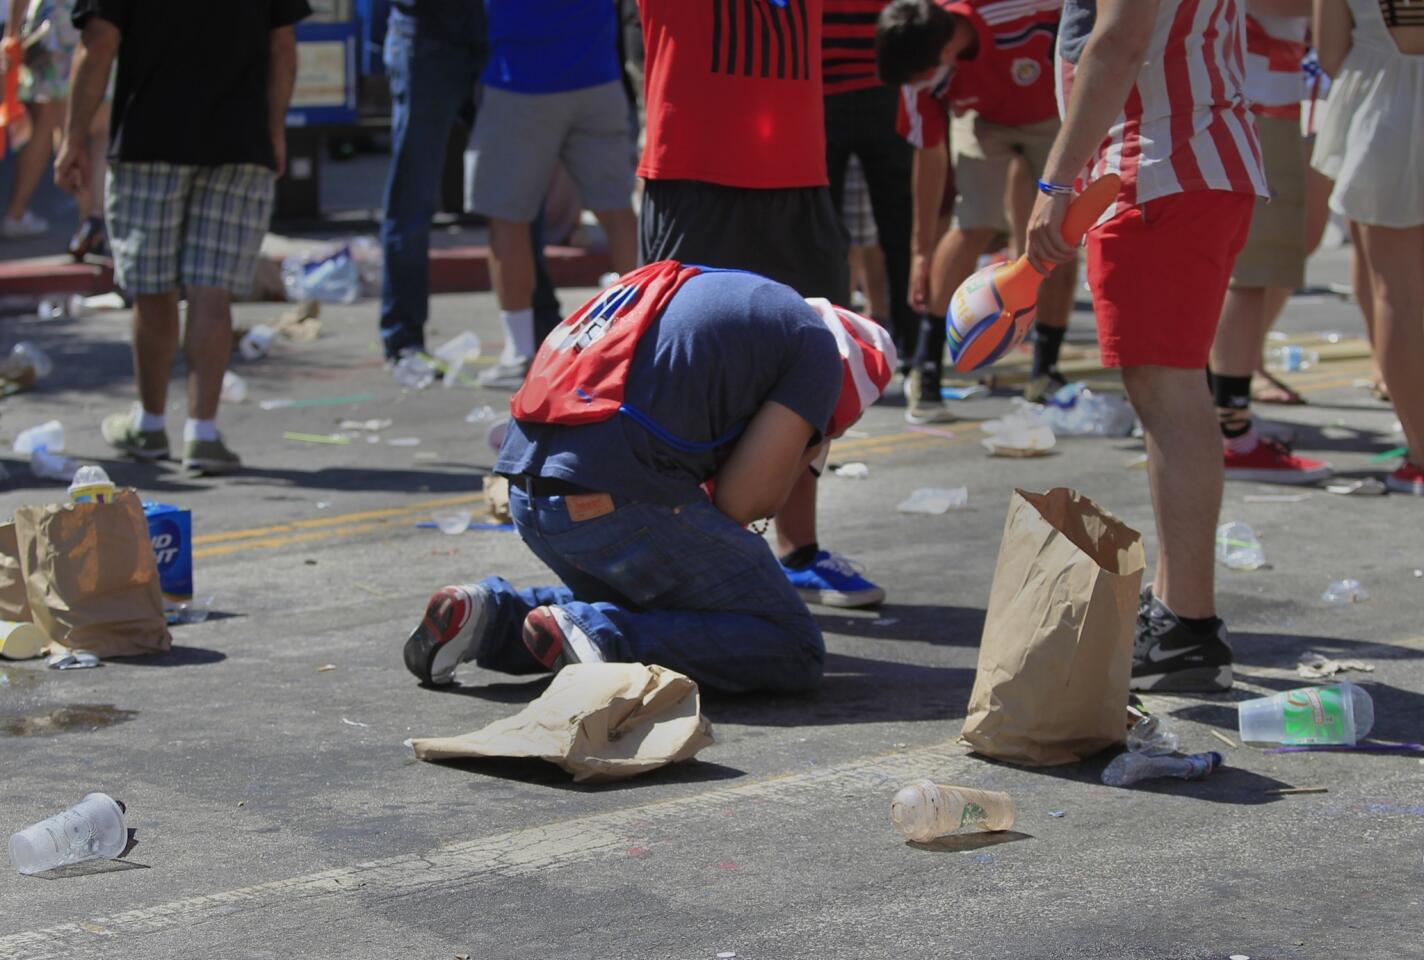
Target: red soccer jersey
[734,92]
[1009,80]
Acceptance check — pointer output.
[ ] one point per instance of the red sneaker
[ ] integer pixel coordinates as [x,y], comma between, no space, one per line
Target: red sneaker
[1407,479]
[1271,462]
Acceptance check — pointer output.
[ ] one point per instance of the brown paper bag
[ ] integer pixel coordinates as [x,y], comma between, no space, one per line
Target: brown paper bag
[1056,654]
[598,721]
[91,576]
[14,602]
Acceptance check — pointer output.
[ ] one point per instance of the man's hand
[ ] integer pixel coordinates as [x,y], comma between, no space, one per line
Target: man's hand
[279,150]
[71,167]
[1046,246]
[920,283]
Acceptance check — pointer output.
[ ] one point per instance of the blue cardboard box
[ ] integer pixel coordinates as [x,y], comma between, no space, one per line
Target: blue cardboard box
[170,529]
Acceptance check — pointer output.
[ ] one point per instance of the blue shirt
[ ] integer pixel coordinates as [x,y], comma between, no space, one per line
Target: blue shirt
[727,343]
[550,46]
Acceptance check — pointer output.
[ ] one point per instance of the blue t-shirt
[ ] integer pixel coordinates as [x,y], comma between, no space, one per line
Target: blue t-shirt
[550,46]
[726,344]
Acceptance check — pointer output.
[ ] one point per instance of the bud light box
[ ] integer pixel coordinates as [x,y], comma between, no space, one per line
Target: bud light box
[171,531]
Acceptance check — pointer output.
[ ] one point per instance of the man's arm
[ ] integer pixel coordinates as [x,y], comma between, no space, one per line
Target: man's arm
[1106,71]
[93,62]
[931,169]
[1332,28]
[767,461]
[281,78]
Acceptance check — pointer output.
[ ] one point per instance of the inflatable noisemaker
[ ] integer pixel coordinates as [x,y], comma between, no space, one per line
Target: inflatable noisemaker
[14,120]
[991,311]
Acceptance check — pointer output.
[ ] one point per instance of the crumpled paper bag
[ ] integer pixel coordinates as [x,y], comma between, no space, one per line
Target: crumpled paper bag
[1056,654]
[598,721]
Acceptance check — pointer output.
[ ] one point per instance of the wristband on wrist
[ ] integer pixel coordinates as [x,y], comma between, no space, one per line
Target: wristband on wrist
[1055,189]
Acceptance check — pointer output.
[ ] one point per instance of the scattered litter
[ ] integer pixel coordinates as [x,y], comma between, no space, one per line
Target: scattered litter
[1238,956]
[52,466]
[1291,791]
[333,274]
[195,610]
[26,352]
[415,371]
[1345,592]
[1238,548]
[403,442]
[974,392]
[727,955]
[1314,666]
[1151,739]
[234,388]
[326,668]
[1364,487]
[354,723]
[1076,411]
[852,471]
[335,439]
[452,522]
[1056,814]
[935,500]
[1275,497]
[323,504]
[72,660]
[1130,768]
[47,436]
[1291,358]
[1418,573]
[1021,434]
[257,342]
[932,431]
[369,426]
[480,414]
[457,352]
[301,324]
[105,301]
[924,810]
[1223,738]
[1342,713]
[277,403]
[92,829]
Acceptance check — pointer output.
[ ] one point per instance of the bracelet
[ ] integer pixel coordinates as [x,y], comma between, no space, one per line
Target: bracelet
[1055,189]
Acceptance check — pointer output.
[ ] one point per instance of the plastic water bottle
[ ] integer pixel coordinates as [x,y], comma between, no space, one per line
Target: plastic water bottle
[1130,768]
[1342,713]
[924,810]
[91,485]
[47,436]
[257,342]
[332,279]
[1238,547]
[1149,738]
[38,360]
[92,829]
[1291,358]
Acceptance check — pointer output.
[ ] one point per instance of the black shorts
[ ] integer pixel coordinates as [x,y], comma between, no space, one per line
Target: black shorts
[791,235]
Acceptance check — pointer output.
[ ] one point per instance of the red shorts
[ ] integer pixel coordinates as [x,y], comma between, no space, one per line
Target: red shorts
[1159,272]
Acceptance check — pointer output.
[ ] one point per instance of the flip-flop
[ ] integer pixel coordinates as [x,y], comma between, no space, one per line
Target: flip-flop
[1274,391]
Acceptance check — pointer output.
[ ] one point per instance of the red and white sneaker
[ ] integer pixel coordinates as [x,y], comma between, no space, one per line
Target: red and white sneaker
[552,638]
[1270,461]
[447,635]
[1407,479]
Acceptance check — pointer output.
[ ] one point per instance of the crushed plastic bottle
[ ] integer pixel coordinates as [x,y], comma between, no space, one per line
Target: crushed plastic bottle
[1023,433]
[257,342]
[1291,358]
[91,484]
[1150,738]
[332,277]
[47,436]
[1076,411]
[414,372]
[38,360]
[1130,768]
[924,810]
[1238,547]
[1342,593]
[234,388]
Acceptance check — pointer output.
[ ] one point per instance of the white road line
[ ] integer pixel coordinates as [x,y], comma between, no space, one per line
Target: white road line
[513,854]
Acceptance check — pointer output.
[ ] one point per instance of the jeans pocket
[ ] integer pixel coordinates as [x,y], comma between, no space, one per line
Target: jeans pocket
[631,565]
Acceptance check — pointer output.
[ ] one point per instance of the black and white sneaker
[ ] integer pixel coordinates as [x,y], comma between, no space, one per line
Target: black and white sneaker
[552,638]
[447,636]
[1170,657]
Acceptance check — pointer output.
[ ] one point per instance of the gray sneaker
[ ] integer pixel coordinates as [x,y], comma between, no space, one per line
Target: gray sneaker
[505,375]
[119,430]
[922,403]
[210,458]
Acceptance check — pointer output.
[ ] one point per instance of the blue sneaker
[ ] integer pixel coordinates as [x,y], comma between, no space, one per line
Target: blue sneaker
[831,581]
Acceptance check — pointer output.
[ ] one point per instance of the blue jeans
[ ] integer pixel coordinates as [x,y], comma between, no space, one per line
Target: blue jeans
[683,587]
[433,67]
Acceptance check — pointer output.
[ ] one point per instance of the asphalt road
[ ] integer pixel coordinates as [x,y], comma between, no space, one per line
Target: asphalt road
[278,813]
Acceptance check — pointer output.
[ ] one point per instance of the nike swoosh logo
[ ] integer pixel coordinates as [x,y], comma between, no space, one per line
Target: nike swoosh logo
[1157,654]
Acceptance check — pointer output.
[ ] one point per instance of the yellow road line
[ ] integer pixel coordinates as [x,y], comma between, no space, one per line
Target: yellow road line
[335,520]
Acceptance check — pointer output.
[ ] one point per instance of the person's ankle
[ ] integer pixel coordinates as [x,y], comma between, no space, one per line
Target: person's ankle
[800,557]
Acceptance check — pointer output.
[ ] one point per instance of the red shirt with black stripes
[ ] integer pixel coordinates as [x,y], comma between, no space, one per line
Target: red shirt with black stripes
[848,45]
[734,92]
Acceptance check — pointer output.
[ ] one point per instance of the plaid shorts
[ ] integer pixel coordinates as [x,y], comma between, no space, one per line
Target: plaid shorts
[856,212]
[198,226]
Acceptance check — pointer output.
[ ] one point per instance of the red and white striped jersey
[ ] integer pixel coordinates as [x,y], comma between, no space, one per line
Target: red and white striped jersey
[1275,47]
[1186,124]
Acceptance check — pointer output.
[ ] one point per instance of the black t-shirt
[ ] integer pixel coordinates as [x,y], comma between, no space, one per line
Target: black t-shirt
[192,78]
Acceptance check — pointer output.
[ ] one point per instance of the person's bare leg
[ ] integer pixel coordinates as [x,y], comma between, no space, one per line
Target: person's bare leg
[1395,259]
[621,229]
[1364,292]
[207,344]
[155,344]
[1184,470]
[511,264]
[1237,348]
[30,164]
[796,521]
[877,291]
[1055,297]
[1317,206]
[955,257]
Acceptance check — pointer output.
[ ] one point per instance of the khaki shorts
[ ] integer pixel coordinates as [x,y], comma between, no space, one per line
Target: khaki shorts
[980,152]
[1274,255]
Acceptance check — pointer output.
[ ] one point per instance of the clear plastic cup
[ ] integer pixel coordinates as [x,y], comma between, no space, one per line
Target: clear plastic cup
[452,522]
[1339,714]
[92,829]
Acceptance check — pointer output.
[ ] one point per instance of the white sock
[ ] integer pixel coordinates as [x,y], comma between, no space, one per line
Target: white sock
[145,421]
[518,333]
[199,430]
